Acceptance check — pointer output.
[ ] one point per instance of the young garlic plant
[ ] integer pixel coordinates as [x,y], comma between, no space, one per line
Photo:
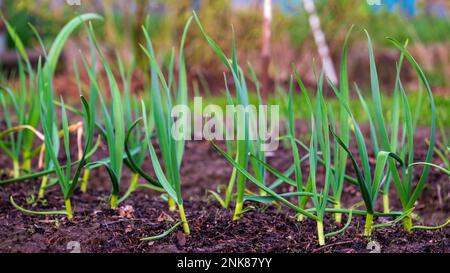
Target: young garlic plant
[339,155]
[50,124]
[320,139]
[92,103]
[12,138]
[403,180]
[133,140]
[20,146]
[243,122]
[261,115]
[389,162]
[114,124]
[172,148]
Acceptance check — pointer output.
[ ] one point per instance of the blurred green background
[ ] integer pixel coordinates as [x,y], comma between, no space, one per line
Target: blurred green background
[425,23]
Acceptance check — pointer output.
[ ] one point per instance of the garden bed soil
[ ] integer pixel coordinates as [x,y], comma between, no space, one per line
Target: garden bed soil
[263,229]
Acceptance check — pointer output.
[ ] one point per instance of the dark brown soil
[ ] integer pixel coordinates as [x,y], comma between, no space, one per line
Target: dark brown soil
[263,229]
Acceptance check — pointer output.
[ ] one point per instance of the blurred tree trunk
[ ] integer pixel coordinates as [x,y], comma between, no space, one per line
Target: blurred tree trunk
[319,38]
[265,48]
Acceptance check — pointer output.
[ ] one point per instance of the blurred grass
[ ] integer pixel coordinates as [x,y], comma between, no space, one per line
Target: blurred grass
[301,111]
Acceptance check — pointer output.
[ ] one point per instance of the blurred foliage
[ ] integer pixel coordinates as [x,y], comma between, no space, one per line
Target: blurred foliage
[165,20]
[167,17]
[442,105]
[19,17]
[21,20]
[338,16]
